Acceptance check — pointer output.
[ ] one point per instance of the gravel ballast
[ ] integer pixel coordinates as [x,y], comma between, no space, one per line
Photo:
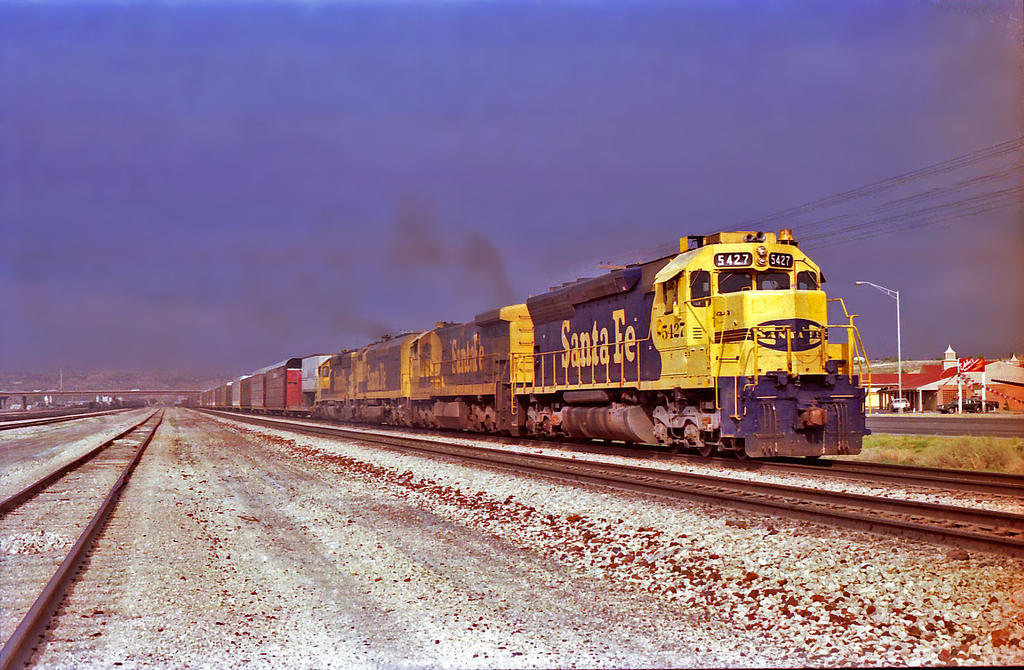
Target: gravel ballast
[236,545]
[823,481]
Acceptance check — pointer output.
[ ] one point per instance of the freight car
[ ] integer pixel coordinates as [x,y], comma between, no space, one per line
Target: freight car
[282,386]
[243,386]
[724,346]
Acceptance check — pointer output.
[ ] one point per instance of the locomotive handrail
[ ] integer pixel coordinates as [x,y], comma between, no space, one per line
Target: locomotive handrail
[747,356]
[544,356]
[710,340]
[735,379]
[858,345]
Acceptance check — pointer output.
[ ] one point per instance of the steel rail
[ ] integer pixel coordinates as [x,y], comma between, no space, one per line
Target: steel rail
[977,529]
[11,424]
[1000,483]
[18,649]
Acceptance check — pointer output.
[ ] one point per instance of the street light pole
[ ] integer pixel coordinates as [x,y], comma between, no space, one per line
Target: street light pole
[899,351]
[899,345]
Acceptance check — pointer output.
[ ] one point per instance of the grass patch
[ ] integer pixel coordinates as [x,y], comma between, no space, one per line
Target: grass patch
[964,452]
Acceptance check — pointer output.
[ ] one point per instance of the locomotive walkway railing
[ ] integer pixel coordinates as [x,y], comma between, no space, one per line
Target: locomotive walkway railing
[578,368]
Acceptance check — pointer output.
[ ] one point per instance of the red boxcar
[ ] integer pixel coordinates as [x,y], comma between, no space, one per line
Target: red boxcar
[283,385]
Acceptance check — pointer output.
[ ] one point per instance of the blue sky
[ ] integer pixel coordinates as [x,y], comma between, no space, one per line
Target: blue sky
[215,186]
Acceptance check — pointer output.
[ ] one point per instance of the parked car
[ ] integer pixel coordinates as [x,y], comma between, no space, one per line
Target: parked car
[970,405]
[899,404]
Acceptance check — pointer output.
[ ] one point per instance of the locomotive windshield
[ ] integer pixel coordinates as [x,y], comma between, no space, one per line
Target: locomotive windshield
[733,282]
[772,281]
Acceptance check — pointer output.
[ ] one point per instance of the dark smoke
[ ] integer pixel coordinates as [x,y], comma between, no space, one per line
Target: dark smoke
[419,241]
[371,329]
[481,258]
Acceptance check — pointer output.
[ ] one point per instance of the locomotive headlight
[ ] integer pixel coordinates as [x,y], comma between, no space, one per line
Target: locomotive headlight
[762,252]
[761,262]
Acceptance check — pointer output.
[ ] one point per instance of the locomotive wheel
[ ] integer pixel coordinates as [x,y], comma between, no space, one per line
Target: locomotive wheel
[490,420]
[706,449]
[662,436]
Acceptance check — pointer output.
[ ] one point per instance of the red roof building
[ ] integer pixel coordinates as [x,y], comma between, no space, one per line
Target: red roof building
[937,384]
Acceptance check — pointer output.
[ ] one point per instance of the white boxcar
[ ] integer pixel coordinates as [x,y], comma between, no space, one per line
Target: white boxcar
[310,364]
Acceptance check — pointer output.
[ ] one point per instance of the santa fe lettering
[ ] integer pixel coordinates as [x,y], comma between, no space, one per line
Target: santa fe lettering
[590,347]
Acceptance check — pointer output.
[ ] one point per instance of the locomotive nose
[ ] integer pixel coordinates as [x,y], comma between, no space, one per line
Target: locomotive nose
[762,305]
[787,326]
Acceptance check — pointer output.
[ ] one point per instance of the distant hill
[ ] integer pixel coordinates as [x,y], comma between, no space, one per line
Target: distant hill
[106,379]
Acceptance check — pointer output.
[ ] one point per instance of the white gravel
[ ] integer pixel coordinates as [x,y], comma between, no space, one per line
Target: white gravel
[825,482]
[739,589]
[227,550]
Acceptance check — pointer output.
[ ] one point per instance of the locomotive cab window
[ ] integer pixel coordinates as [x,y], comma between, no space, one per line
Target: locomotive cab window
[806,280]
[772,281]
[700,287]
[671,295]
[734,282]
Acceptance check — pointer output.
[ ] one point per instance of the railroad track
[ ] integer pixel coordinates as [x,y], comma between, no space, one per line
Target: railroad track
[943,479]
[18,423]
[909,475]
[965,528]
[69,506]
[988,483]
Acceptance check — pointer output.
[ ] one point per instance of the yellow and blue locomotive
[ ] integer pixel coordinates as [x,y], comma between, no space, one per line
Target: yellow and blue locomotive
[725,346]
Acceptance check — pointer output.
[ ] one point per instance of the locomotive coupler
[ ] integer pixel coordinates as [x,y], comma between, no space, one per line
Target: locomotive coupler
[812,417]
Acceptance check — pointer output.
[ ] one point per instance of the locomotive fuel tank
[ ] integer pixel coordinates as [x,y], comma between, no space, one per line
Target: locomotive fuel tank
[629,423]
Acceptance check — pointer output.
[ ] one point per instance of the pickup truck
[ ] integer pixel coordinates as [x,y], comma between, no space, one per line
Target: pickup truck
[899,404]
[970,405]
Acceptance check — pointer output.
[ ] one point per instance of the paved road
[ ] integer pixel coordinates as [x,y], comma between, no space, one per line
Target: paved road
[941,424]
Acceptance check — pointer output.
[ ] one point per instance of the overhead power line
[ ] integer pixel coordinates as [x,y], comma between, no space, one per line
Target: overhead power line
[959,162]
[897,213]
[934,215]
[930,206]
